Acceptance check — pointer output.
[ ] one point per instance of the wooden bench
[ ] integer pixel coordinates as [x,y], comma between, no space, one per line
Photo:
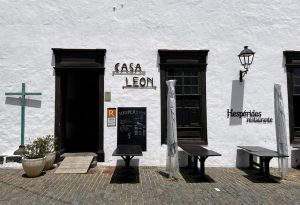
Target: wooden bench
[127,152]
[265,156]
[198,152]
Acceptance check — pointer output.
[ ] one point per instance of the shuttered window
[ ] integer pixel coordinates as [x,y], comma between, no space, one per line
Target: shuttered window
[188,68]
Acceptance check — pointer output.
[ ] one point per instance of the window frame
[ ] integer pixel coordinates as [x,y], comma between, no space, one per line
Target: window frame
[292,60]
[172,59]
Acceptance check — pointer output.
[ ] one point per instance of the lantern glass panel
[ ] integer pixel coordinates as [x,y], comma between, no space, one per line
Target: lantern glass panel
[251,59]
[246,60]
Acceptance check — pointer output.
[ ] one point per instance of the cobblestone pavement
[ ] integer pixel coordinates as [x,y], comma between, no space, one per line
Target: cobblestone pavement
[148,185]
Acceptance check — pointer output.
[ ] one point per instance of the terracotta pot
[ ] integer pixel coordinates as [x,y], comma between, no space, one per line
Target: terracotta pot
[33,167]
[50,158]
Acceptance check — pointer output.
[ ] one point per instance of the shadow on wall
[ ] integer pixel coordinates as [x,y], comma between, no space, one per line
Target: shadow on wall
[237,100]
[158,62]
[182,158]
[28,102]
[242,159]
[295,158]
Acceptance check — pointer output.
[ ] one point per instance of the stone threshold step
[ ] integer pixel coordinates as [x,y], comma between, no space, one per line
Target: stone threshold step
[74,154]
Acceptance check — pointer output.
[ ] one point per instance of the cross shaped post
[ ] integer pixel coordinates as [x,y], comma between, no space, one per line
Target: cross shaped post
[23,95]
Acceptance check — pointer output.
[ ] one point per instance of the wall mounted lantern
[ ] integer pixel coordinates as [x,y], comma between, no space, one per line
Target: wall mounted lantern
[246,58]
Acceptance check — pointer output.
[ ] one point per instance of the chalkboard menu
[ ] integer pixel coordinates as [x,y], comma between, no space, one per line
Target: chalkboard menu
[132,126]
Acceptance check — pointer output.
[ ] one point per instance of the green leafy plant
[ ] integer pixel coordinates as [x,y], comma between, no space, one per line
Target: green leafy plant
[41,146]
[47,143]
[34,150]
[50,143]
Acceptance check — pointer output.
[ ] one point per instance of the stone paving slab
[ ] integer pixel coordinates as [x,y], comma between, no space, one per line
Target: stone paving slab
[148,185]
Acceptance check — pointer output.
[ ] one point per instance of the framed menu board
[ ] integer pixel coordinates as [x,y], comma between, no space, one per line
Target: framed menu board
[132,127]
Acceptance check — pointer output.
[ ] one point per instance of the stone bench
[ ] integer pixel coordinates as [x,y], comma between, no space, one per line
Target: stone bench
[198,152]
[127,152]
[265,155]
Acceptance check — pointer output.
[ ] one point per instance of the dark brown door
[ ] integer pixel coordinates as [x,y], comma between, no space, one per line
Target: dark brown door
[80,103]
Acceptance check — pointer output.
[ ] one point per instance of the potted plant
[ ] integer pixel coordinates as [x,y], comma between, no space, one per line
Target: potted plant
[50,144]
[33,160]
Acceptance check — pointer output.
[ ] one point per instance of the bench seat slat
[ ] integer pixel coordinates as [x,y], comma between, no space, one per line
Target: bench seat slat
[268,154]
[197,150]
[128,150]
[254,148]
[261,151]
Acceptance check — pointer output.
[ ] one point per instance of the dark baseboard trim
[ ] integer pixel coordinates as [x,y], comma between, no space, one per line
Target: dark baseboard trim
[100,156]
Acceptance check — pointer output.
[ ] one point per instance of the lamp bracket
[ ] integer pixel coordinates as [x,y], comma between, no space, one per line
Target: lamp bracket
[242,74]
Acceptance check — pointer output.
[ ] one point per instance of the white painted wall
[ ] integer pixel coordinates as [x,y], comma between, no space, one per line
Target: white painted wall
[133,31]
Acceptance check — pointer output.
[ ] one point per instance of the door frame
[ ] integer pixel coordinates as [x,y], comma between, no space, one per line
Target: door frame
[78,60]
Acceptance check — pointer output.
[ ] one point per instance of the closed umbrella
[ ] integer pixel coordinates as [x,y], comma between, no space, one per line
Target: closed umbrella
[172,148]
[281,135]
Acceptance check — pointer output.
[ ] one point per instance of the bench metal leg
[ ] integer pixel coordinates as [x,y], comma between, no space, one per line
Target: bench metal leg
[195,163]
[189,161]
[261,165]
[251,161]
[267,166]
[202,165]
[127,160]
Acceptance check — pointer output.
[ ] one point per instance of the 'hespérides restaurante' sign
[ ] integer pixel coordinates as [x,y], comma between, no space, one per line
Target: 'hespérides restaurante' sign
[252,116]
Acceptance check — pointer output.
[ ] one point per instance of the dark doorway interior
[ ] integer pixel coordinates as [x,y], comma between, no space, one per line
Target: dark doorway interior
[80,101]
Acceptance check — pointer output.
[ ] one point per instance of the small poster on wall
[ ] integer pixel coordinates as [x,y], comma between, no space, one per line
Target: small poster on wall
[111,117]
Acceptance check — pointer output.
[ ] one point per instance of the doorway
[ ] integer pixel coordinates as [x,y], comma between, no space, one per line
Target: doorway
[79,103]
[81,111]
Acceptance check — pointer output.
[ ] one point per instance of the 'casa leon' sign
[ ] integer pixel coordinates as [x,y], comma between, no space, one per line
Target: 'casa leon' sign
[134,82]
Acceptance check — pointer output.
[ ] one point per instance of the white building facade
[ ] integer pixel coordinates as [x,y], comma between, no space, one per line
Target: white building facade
[195,42]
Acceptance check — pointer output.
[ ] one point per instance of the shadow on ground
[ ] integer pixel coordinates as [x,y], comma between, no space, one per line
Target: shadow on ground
[254,176]
[190,176]
[123,175]
[25,176]
[166,176]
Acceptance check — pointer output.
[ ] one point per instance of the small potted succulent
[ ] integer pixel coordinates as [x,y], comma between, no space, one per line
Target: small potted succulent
[33,160]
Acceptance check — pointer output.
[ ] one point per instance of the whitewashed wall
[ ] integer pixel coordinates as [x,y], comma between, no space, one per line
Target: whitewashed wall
[133,31]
